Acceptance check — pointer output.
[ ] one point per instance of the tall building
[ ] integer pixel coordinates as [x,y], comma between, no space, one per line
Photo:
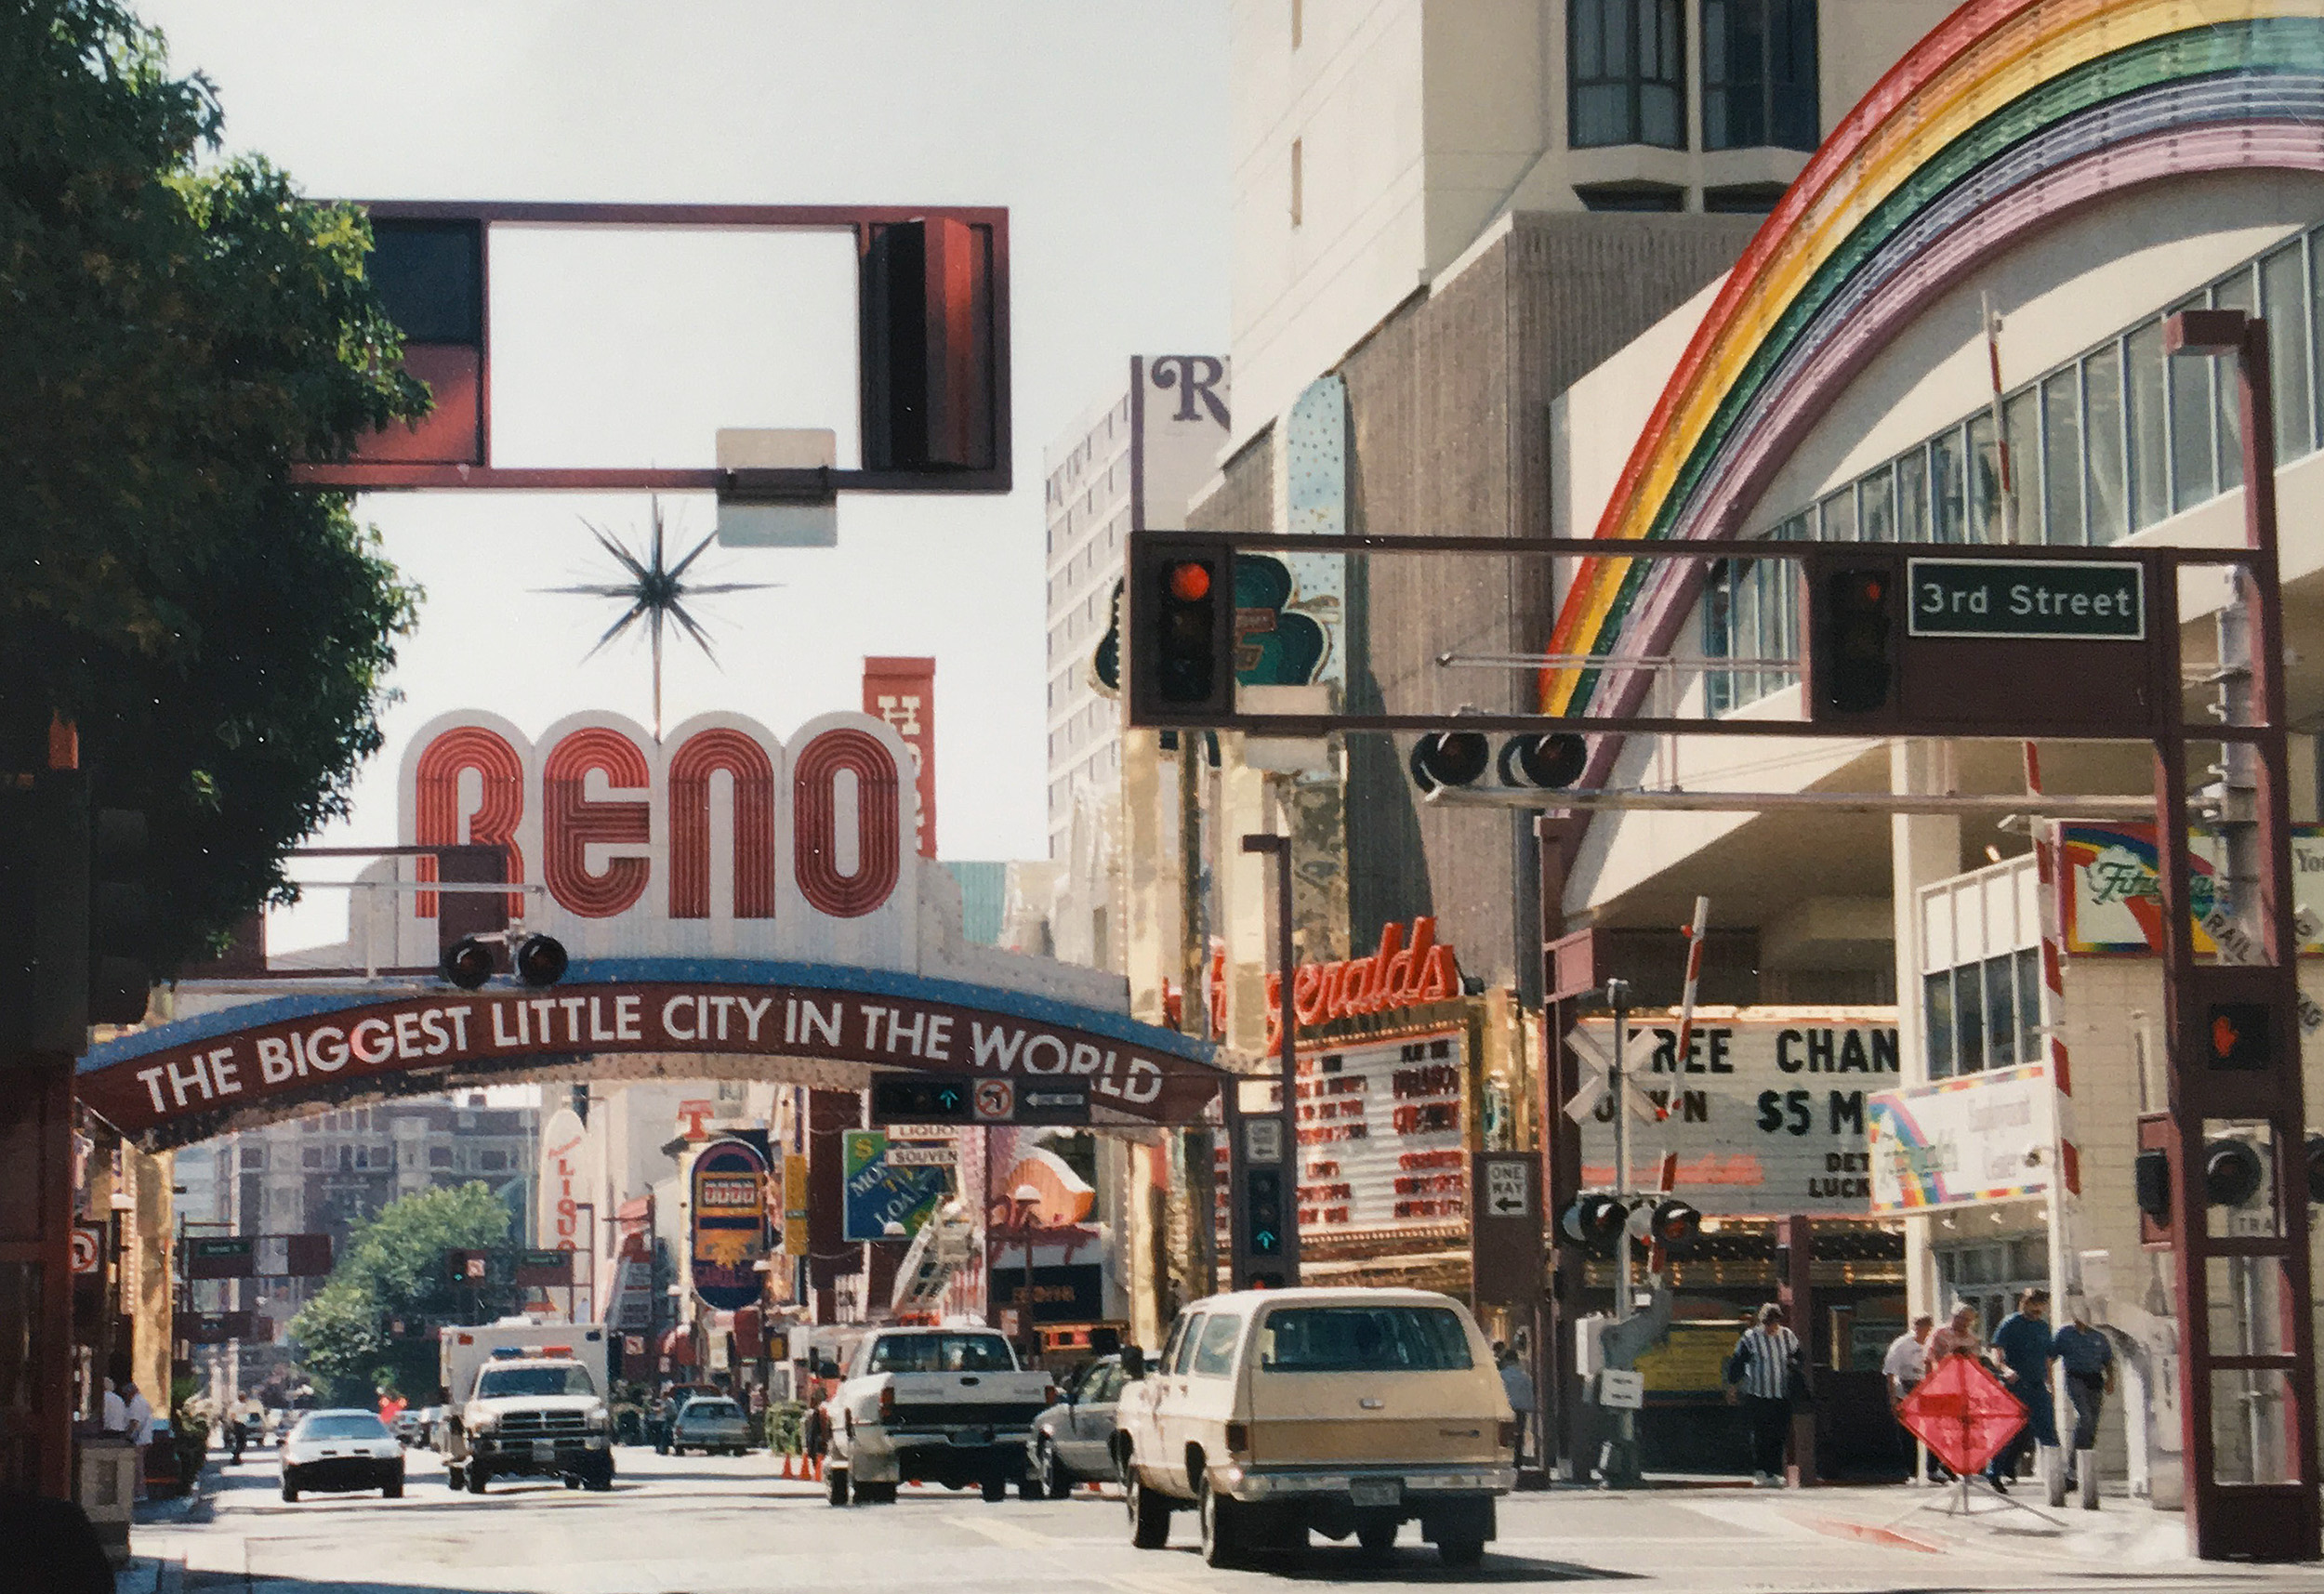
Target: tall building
[1135,459]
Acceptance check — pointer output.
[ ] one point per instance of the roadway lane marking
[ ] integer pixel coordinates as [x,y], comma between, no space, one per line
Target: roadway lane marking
[1006,1534]
[1154,1583]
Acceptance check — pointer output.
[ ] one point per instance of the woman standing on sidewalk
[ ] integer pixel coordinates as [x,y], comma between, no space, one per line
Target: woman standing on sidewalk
[1763,1371]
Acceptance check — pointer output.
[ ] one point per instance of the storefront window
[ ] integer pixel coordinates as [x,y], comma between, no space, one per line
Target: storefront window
[1839,523]
[1876,514]
[1912,496]
[1985,481]
[1969,1018]
[1939,1024]
[2102,437]
[2192,478]
[2062,456]
[2286,308]
[2025,470]
[2001,1013]
[1948,479]
[2028,1006]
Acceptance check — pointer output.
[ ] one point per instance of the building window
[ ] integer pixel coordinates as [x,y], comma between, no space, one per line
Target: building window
[1299,182]
[1984,1015]
[1758,74]
[1743,199]
[1626,73]
[1653,197]
[310,1156]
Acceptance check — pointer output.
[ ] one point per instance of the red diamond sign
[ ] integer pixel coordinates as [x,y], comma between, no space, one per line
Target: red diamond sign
[1962,1412]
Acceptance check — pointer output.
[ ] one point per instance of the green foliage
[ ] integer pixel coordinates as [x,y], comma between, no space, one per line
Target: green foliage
[392,1270]
[176,333]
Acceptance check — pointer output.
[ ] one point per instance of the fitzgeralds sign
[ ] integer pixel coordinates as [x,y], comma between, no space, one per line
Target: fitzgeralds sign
[1396,976]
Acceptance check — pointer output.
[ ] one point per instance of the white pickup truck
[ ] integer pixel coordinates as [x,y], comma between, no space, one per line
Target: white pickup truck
[526,1398]
[936,1405]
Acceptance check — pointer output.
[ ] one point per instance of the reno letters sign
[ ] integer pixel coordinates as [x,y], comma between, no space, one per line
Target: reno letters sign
[719,840]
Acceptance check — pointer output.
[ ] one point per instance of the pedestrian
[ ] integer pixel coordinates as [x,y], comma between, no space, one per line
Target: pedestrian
[1766,1373]
[2088,1361]
[1958,1336]
[2022,1350]
[1905,1365]
[138,1416]
[115,1416]
[1517,1384]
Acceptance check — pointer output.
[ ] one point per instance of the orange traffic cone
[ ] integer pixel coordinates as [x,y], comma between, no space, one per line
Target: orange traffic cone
[787,1473]
[817,1474]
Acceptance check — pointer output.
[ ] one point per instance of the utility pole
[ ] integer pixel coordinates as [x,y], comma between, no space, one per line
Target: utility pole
[1617,996]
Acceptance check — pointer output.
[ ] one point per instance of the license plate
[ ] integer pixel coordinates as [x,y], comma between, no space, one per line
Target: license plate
[543,1450]
[1376,1490]
[973,1436]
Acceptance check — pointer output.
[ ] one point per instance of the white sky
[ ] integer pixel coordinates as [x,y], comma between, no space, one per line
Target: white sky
[1100,123]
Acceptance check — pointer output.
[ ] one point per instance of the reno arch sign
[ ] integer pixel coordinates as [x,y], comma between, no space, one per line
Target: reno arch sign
[720,840]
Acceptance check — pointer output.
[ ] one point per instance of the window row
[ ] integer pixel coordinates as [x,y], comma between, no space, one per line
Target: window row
[1984,1015]
[1626,73]
[2119,438]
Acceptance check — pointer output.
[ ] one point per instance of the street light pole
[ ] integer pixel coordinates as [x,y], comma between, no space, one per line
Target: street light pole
[1288,1024]
[1617,996]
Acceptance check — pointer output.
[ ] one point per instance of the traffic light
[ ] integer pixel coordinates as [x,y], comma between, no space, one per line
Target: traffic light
[467,963]
[1595,1221]
[2151,1177]
[540,960]
[1182,629]
[1853,643]
[1552,762]
[2232,1174]
[1450,758]
[920,1099]
[1263,1211]
[2237,1034]
[1673,1221]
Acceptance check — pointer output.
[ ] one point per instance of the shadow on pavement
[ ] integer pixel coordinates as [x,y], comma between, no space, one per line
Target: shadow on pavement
[1417,1563]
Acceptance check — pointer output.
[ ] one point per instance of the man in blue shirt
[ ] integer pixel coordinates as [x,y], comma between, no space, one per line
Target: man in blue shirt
[2088,1361]
[2023,1346]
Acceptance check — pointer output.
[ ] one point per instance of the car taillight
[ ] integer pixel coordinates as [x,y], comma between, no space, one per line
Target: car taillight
[887,1403]
[1239,1439]
[1507,1434]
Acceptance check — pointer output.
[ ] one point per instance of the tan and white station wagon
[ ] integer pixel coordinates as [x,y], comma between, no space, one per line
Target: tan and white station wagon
[1344,1411]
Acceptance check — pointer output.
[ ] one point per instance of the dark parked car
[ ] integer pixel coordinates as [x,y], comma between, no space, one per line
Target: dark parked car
[1073,1441]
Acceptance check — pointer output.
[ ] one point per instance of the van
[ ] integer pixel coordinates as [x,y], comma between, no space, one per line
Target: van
[1272,1413]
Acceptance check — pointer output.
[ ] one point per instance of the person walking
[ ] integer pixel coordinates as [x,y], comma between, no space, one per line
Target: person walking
[1904,1366]
[1957,1338]
[1517,1384]
[1762,1373]
[2088,1361]
[138,1418]
[2022,1350]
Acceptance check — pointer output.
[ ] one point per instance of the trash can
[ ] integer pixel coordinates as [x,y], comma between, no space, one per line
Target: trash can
[106,1486]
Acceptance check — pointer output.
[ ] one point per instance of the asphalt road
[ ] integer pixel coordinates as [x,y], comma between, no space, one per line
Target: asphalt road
[697,1525]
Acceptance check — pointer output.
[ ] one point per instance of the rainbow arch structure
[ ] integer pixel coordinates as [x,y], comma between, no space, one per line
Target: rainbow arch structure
[2009,116]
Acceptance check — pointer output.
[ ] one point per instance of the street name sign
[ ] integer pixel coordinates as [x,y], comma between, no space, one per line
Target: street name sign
[2075,600]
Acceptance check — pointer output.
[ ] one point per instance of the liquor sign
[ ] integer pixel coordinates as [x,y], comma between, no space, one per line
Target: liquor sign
[1961,1142]
[730,1224]
[1768,1113]
[566,1156]
[903,693]
[882,1192]
[2114,903]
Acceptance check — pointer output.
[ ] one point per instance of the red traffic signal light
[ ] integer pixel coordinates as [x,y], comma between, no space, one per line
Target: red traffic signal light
[1181,631]
[1595,1221]
[1853,643]
[1673,1221]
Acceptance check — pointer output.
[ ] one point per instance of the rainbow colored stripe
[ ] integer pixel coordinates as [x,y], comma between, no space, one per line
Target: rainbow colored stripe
[2010,114]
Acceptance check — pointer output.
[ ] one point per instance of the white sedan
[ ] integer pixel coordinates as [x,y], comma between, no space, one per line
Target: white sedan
[341,1450]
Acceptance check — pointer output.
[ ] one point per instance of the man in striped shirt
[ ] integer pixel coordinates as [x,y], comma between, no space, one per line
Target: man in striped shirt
[1759,1371]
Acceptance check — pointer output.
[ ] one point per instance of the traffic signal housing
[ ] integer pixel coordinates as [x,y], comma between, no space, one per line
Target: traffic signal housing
[1673,1221]
[1181,592]
[1450,758]
[1595,1221]
[1263,1211]
[920,1099]
[2232,1172]
[1552,762]
[1853,643]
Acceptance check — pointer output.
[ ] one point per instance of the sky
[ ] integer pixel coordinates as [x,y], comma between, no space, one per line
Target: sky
[1100,123]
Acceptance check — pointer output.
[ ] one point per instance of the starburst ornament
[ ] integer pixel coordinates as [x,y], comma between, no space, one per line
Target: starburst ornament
[657,592]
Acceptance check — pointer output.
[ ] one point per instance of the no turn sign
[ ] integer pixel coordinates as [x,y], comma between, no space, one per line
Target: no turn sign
[87,1249]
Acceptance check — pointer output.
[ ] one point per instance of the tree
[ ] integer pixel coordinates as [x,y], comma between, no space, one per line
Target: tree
[177,336]
[391,1272]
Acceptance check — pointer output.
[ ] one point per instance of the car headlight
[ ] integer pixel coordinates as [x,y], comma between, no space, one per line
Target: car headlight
[485,1422]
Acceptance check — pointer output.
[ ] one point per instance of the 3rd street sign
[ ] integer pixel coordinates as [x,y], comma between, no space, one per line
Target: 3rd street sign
[2027,597]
